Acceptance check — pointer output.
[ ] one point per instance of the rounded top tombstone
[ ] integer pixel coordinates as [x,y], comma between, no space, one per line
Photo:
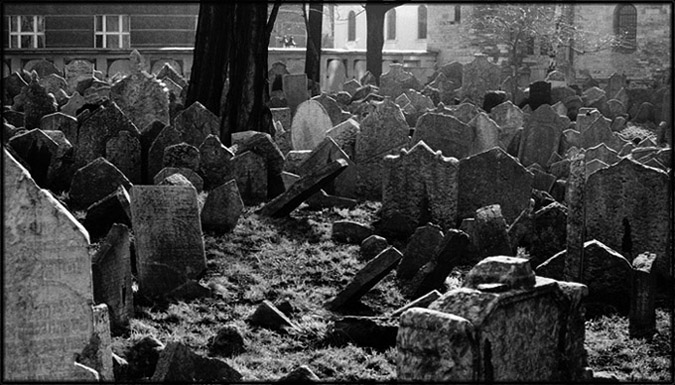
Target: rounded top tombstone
[309,126]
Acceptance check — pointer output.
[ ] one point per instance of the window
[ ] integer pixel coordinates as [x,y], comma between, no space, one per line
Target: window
[351,26]
[26,31]
[391,25]
[625,26]
[422,22]
[111,31]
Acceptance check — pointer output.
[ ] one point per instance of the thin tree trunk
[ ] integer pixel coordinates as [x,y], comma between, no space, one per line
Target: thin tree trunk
[313,52]
[375,40]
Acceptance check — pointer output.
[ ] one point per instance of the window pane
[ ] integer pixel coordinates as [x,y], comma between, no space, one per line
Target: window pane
[26,41]
[112,24]
[40,41]
[125,23]
[99,41]
[113,41]
[26,23]
[98,21]
[40,23]
[14,41]
[126,41]
[13,23]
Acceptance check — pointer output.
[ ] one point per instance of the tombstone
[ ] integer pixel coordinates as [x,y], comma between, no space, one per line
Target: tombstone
[419,251]
[310,123]
[97,92]
[600,132]
[61,122]
[103,214]
[148,135]
[540,93]
[169,72]
[302,189]
[326,152]
[645,113]
[615,83]
[282,138]
[454,72]
[295,90]
[549,233]
[283,115]
[493,177]
[250,171]
[35,103]
[492,99]
[616,109]
[333,109]
[485,329]
[593,166]
[490,233]
[574,196]
[593,95]
[616,213]
[56,85]
[47,310]
[421,186]
[142,98]
[509,118]
[478,77]
[542,181]
[485,133]
[181,155]
[446,134]
[222,208]
[263,145]
[465,112]
[560,108]
[344,134]
[397,80]
[384,131]
[73,105]
[215,162]
[541,136]
[43,156]
[77,70]
[178,364]
[351,86]
[124,151]
[111,274]
[94,182]
[446,88]
[195,180]
[642,314]
[168,236]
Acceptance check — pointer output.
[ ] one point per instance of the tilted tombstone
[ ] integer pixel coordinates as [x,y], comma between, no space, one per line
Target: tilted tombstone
[478,77]
[465,112]
[384,131]
[61,122]
[420,250]
[102,215]
[73,105]
[326,152]
[541,136]
[35,103]
[490,233]
[142,98]
[148,135]
[446,88]
[195,180]
[111,273]
[310,123]
[560,108]
[94,182]
[43,155]
[445,133]
[492,99]
[510,119]
[592,96]
[250,171]
[454,72]
[168,72]
[616,109]
[168,236]
[77,70]
[222,208]
[295,90]
[42,67]
[215,162]
[397,80]
[56,85]
[263,145]
[420,185]
[351,86]
[48,318]
[344,134]
[493,177]
[181,155]
[283,115]
[124,151]
[333,109]
[485,133]
[540,93]
[486,329]
[600,132]
[549,232]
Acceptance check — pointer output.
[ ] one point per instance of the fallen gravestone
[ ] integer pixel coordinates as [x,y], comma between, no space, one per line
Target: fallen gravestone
[347,231]
[177,363]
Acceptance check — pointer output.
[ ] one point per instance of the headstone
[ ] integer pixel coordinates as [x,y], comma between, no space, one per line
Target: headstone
[295,90]
[61,122]
[333,109]
[276,72]
[43,155]
[576,234]
[384,131]
[478,77]
[77,70]
[490,232]
[420,303]
[47,313]
[124,151]
[492,99]
[509,118]
[175,180]
[419,251]
[177,363]
[465,112]
[615,83]
[421,186]
[168,236]
[35,103]
[344,134]
[549,233]
[102,215]
[351,86]
[645,113]
[485,133]
[540,93]
[222,208]
[310,123]
[267,315]
[56,85]
[250,171]
[446,134]
[446,88]
[603,153]
[283,115]
[642,314]
[594,165]
[195,180]
[346,231]
[372,246]
[328,151]
[215,162]
[181,155]
[366,278]
[111,272]
[282,138]
[454,72]
[94,182]
[263,145]
[397,80]
[493,177]
[600,132]
[541,136]
[169,72]
[542,181]
[142,98]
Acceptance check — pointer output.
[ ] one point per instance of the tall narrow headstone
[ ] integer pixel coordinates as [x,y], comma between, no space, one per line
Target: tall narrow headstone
[295,90]
[124,151]
[250,171]
[576,214]
[642,315]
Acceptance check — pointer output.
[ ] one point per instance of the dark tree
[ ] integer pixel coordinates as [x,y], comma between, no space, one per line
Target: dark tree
[375,12]
[313,23]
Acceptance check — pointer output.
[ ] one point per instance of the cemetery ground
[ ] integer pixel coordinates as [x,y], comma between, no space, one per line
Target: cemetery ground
[293,263]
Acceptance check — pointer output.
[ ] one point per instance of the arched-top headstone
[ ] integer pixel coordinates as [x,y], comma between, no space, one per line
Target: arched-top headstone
[309,126]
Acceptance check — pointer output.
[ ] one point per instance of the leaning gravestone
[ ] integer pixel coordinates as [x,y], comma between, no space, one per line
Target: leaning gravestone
[541,136]
[56,85]
[642,314]
[493,177]
[102,215]
[61,122]
[603,153]
[42,155]
[36,103]
[77,70]
[444,133]
[420,250]
[489,233]
[181,155]
[295,90]
[384,131]
[94,182]
[250,171]
[215,162]
[222,208]
[310,123]
[615,83]
[465,112]
[540,93]
[420,185]
[395,81]
[326,152]
[124,151]
[600,132]
[47,283]
[478,77]
[73,105]
[168,235]
[510,119]
[333,109]
[344,134]
[195,180]
[485,133]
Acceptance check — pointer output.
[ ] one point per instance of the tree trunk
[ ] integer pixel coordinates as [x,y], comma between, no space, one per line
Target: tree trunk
[375,38]
[313,51]
[209,68]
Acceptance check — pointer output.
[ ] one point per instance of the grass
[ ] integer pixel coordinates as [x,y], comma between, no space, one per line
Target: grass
[294,260]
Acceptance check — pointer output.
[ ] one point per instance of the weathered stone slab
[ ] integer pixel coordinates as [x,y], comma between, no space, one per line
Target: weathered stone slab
[177,363]
[485,133]
[344,134]
[167,232]
[102,215]
[328,151]
[34,102]
[124,151]
[94,182]
[446,134]
[73,105]
[541,136]
[333,109]
[181,155]
[419,251]
[195,180]
[222,208]
[510,119]
[61,122]
[295,90]
[540,93]
[310,123]
[48,155]
[366,278]
[142,98]
[420,303]
[421,186]
[490,232]
[549,232]
[372,246]
[77,70]
[478,77]
[642,314]
[347,231]
[250,171]
[282,115]
[397,80]
[263,145]
[267,315]
[215,162]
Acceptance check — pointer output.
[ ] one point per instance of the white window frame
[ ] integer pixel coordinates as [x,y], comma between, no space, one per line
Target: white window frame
[34,33]
[104,33]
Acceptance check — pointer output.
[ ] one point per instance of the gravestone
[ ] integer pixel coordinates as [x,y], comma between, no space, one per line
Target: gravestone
[47,312]
[478,77]
[549,232]
[419,251]
[486,329]
[263,145]
[61,122]
[616,213]
[485,133]
[490,233]
[395,81]
[222,208]
[77,70]
[195,180]
[124,151]
[168,236]
[111,272]
[275,74]
[446,88]
[615,108]
[603,153]
[540,93]
[310,123]
[43,156]
[168,72]
[94,182]
[73,105]
[351,86]
[178,364]
[283,115]
[421,186]
[250,171]
[142,98]
[333,109]
[446,134]
[295,90]
[282,138]
[593,95]
[326,152]
[102,215]
[454,72]
[215,162]
[542,181]
[541,136]
[384,131]
[510,119]
[465,112]
[600,132]
[42,67]
[493,177]
[181,155]
[35,103]
[56,85]
[344,134]
[642,314]
[615,83]
[492,99]
[15,118]
[594,165]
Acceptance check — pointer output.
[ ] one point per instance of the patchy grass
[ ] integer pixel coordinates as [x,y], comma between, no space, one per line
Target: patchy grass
[293,259]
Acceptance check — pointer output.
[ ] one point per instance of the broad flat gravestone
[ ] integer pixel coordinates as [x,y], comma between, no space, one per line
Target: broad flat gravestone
[510,119]
[168,233]
[222,208]
[250,171]
[627,209]
[142,98]
[111,269]
[94,182]
[444,133]
[541,136]
[124,151]
[420,185]
[383,132]
[47,282]
[310,123]
[478,77]
[295,90]
[493,177]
